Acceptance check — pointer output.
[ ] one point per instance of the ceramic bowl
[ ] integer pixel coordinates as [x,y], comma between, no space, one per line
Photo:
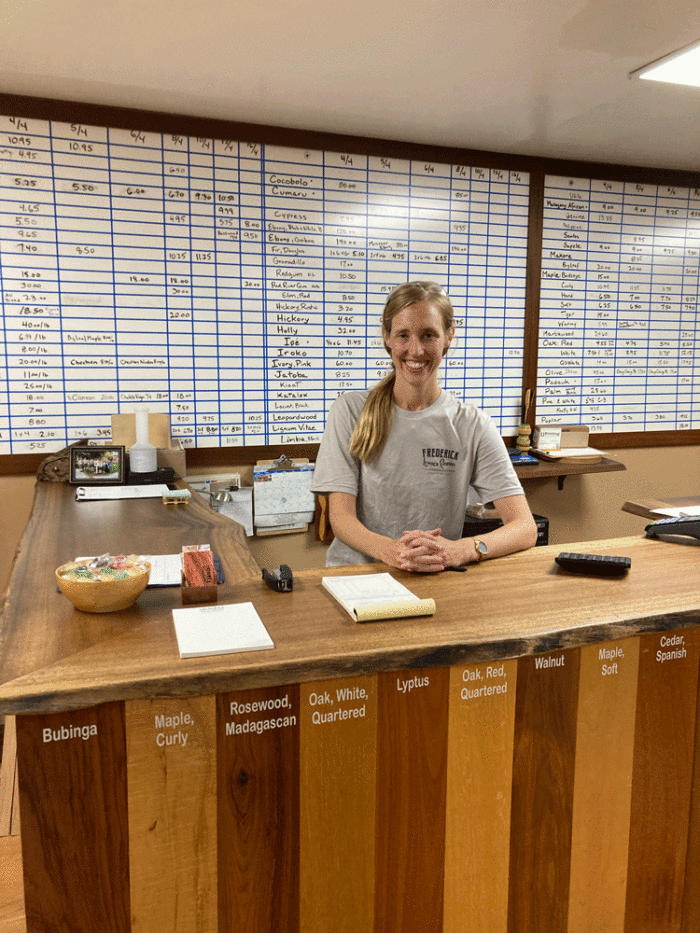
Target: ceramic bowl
[108,594]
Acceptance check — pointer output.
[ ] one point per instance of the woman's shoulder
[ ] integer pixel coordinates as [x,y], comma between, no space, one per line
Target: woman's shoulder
[467,417]
[457,407]
[351,402]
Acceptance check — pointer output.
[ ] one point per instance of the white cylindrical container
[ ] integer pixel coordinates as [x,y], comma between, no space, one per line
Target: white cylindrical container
[143,456]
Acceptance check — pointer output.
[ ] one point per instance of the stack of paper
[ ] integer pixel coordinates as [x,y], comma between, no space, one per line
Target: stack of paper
[204,630]
[372,596]
[573,454]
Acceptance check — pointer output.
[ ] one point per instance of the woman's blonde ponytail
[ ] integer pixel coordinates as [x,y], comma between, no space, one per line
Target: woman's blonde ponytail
[374,424]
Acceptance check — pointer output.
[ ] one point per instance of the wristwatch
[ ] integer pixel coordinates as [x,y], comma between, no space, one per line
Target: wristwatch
[482,549]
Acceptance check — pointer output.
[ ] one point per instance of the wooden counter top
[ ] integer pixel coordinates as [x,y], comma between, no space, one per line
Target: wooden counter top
[56,658]
[646,507]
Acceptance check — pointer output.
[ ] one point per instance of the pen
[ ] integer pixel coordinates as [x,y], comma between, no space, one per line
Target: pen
[458,569]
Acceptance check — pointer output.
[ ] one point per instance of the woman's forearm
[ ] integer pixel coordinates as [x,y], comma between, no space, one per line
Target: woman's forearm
[518,532]
[346,526]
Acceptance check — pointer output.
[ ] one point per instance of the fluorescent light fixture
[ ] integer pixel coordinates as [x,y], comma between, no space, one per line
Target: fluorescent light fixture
[679,67]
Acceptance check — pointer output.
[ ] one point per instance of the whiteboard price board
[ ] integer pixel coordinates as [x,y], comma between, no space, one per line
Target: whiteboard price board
[236,286]
[620,291]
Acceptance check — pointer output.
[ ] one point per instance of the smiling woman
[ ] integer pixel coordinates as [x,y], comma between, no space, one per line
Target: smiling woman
[397,460]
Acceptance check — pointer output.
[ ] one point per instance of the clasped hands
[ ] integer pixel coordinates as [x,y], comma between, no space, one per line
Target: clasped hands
[426,552]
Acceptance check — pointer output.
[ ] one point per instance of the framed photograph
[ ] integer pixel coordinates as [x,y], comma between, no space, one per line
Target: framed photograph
[97,466]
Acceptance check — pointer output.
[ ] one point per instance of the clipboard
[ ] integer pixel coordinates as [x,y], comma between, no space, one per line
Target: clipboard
[282,497]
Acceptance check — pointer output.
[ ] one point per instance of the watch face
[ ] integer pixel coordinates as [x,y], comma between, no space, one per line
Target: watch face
[482,548]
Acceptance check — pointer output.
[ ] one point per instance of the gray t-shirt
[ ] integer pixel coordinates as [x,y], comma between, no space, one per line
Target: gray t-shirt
[422,476]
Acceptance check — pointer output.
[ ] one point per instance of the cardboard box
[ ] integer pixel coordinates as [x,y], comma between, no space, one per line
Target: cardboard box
[546,437]
[170,452]
[173,456]
[124,429]
[559,436]
[574,435]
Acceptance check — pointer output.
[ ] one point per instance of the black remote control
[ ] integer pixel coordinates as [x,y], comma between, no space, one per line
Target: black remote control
[601,565]
[685,525]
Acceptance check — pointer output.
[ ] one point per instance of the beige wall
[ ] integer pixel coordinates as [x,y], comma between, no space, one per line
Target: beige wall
[588,507]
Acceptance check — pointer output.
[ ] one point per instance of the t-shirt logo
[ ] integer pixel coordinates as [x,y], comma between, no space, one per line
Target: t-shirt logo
[438,460]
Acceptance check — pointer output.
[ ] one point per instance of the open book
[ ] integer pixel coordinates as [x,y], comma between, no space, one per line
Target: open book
[372,596]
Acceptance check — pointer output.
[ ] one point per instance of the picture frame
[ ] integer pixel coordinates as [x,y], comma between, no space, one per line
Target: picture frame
[97,466]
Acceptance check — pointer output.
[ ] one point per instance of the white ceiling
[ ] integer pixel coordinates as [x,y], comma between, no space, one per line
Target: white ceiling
[537,77]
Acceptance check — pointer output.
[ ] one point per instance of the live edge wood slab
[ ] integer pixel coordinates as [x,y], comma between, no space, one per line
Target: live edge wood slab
[55,658]
[524,761]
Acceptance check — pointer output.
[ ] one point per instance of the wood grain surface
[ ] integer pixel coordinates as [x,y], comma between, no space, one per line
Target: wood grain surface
[258,812]
[543,783]
[55,658]
[690,911]
[479,786]
[337,805]
[74,821]
[171,780]
[603,786]
[662,781]
[412,717]
[61,529]
[9,792]
[11,886]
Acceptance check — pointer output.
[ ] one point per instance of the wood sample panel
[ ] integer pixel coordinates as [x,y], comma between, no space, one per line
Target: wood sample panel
[479,782]
[171,779]
[258,801]
[549,793]
[542,803]
[662,781]
[73,804]
[603,786]
[411,781]
[338,805]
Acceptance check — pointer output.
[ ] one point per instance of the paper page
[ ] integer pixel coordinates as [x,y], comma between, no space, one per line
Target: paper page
[360,587]
[574,452]
[282,491]
[288,519]
[240,509]
[205,630]
[121,492]
[683,511]
[166,570]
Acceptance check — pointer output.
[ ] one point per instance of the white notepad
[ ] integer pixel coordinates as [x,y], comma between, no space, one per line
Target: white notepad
[121,492]
[203,630]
